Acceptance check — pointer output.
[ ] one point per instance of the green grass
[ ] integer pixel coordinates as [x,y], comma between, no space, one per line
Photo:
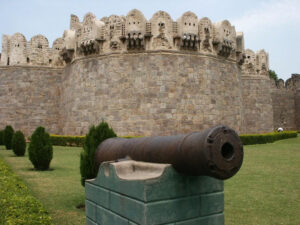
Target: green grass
[264,192]
[17,205]
[59,190]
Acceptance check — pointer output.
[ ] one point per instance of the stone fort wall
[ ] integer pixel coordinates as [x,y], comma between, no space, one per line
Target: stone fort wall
[145,77]
[285,98]
[152,93]
[30,97]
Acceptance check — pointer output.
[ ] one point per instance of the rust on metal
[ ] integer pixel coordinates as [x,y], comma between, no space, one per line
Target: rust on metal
[216,152]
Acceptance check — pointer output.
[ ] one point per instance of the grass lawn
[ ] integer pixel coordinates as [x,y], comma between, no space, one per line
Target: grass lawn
[264,192]
[59,189]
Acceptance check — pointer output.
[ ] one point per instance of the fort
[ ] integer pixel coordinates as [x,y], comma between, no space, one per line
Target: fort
[144,77]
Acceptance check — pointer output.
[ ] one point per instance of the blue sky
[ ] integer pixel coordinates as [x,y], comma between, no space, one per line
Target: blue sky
[273,25]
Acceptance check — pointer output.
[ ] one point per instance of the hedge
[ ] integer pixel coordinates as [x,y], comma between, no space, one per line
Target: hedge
[18,206]
[247,139]
[63,140]
[252,139]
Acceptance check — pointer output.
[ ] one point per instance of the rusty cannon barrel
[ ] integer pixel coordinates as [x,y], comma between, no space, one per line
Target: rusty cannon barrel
[216,152]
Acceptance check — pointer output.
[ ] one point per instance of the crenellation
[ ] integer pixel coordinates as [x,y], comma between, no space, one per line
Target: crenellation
[205,34]
[69,45]
[74,22]
[17,49]
[240,49]
[144,77]
[55,57]
[92,31]
[249,66]
[224,38]
[162,31]
[113,33]
[5,50]
[135,30]
[262,62]
[39,50]
[188,31]
[280,84]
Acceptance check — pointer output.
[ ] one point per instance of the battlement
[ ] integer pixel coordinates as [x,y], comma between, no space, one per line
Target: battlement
[292,84]
[16,50]
[256,63]
[130,33]
[134,33]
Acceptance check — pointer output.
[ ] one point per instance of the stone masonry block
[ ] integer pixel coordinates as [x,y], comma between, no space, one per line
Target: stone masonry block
[131,192]
[148,190]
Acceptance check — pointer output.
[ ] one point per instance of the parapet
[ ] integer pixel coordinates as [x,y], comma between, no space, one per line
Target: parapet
[256,64]
[293,83]
[134,33]
[16,50]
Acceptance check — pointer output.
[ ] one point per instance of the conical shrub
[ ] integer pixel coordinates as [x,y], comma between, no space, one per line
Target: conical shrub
[7,137]
[19,144]
[96,135]
[40,149]
[1,137]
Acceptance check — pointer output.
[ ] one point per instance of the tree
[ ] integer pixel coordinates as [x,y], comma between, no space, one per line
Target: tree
[7,137]
[88,166]
[40,149]
[19,144]
[273,75]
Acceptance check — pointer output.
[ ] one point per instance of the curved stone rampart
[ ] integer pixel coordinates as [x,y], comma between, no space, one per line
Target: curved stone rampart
[154,93]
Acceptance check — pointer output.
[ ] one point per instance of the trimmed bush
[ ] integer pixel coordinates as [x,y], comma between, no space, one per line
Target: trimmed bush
[18,144]
[252,139]
[40,149]
[1,137]
[17,205]
[63,140]
[7,137]
[96,135]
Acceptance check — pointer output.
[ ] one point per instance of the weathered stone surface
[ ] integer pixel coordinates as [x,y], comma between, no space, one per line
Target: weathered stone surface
[29,98]
[145,77]
[285,111]
[257,104]
[176,198]
[151,93]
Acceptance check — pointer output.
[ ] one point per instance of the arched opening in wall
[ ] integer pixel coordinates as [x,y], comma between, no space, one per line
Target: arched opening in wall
[28,60]
[50,61]
[8,61]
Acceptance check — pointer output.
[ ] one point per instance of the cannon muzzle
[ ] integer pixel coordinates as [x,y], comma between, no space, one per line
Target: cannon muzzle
[216,152]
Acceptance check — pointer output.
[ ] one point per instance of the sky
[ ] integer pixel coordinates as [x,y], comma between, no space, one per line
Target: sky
[273,25]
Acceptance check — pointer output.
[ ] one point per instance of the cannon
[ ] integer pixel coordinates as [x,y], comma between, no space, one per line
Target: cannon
[216,152]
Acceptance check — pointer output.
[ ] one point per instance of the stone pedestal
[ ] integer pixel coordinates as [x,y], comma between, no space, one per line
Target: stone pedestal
[130,192]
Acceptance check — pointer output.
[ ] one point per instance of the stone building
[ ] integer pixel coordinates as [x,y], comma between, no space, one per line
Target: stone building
[145,77]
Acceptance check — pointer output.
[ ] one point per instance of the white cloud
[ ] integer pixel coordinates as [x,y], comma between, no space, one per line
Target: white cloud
[269,14]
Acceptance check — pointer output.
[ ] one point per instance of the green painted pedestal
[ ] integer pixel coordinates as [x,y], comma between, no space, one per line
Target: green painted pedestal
[131,192]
